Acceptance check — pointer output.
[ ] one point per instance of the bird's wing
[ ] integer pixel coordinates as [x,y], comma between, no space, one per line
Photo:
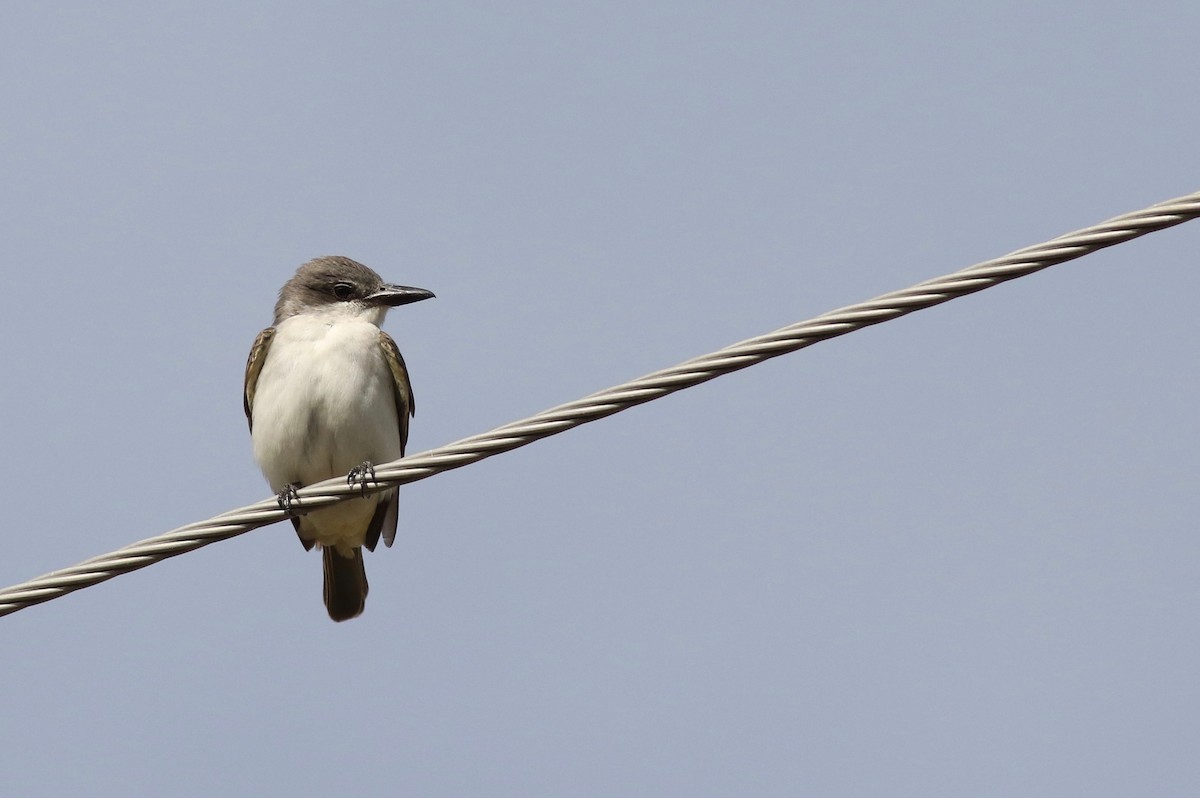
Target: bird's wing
[383,523]
[405,404]
[254,364]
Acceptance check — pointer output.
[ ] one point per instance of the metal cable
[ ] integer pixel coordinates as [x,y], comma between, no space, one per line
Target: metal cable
[613,400]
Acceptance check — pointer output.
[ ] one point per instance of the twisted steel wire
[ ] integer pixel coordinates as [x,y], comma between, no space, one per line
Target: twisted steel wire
[612,400]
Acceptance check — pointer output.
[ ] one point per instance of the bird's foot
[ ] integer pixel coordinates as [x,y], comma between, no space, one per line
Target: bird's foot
[288,499]
[360,475]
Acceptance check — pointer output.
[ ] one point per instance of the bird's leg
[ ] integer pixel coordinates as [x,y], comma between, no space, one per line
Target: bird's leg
[288,498]
[360,475]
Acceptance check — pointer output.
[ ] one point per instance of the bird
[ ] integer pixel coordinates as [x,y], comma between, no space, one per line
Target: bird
[327,393]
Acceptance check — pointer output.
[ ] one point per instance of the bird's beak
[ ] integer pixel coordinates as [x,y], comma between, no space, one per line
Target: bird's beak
[394,295]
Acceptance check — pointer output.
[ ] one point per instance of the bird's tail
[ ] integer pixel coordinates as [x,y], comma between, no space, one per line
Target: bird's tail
[345,583]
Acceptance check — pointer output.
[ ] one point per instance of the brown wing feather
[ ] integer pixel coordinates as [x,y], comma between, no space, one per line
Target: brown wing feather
[254,364]
[384,521]
[405,404]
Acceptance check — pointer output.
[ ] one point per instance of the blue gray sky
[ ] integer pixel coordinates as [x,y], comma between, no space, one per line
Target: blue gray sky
[954,554]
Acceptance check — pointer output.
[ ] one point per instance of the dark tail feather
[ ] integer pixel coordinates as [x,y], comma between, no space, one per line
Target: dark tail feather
[345,584]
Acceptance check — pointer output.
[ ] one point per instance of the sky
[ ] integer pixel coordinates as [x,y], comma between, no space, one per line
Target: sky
[953,554]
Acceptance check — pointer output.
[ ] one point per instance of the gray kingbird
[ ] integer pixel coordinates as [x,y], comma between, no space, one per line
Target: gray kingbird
[327,393]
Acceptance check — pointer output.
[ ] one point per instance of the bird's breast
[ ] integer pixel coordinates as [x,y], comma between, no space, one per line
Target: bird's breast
[324,403]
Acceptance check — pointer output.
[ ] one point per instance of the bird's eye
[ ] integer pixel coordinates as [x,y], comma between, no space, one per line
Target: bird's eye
[343,290]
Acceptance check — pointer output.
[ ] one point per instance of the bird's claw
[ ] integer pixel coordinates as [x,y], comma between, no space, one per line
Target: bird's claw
[288,499]
[360,475]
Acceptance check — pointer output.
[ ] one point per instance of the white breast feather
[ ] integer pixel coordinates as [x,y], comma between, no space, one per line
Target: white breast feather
[324,403]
